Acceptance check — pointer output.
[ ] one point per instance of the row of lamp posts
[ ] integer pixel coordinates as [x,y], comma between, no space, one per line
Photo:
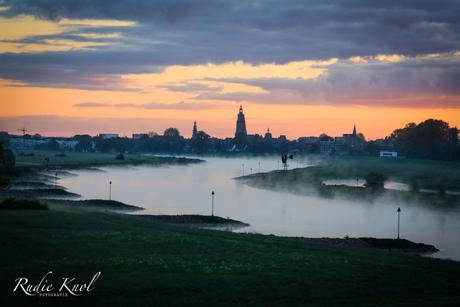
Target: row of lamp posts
[212,196]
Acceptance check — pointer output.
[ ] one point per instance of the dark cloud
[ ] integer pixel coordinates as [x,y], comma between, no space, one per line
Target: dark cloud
[190,87]
[91,105]
[154,105]
[182,32]
[375,83]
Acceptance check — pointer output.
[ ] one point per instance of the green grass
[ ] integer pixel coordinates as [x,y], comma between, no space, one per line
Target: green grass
[108,203]
[22,204]
[73,160]
[145,263]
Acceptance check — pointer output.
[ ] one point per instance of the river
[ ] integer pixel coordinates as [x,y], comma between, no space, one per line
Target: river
[182,189]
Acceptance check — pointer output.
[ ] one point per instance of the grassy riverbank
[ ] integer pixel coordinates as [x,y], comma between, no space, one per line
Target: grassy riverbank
[309,181]
[74,160]
[145,263]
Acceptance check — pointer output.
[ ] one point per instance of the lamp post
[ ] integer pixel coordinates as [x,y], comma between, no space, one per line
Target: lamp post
[212,202]
[357,180]
[243,169]
[110,190]
[55,180]
[399,211]
[259,167]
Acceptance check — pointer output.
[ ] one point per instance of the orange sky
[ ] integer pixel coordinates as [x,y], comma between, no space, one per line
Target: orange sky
[377,93]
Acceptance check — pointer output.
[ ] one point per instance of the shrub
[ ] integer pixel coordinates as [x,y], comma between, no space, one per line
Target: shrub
[375,181]
[120,157]
[413,186]
[23,204]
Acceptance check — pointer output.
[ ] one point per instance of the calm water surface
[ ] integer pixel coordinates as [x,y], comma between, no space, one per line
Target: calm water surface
[187,190]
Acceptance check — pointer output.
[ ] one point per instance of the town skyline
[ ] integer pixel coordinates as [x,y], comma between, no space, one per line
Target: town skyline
[299,68]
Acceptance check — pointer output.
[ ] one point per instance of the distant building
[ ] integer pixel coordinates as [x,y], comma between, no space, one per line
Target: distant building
[351,139]
[108,135]
[195,131]
[308,140]
[388,154]
[331,146]
[241,123]
[67,144]
[137,136]
[268,136]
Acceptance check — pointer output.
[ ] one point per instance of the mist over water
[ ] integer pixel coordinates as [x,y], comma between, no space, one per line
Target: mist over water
[182,189]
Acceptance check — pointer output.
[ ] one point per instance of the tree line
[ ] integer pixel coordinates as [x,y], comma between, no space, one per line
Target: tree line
[431,139]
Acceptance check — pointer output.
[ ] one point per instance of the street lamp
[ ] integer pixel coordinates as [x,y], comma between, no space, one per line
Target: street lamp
[243,169]
[110,190]
[259,167]
[399,211]
[212,202]
[55,181]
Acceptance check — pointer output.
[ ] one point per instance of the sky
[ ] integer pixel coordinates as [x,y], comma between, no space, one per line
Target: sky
[298,67]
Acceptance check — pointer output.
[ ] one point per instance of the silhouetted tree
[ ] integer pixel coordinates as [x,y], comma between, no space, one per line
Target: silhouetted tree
[53,145]
[85,142]
[4,181]
[325,137]
[426,140]
[413,186]
[202,142]
[375,181]
[171,133]
[373,149]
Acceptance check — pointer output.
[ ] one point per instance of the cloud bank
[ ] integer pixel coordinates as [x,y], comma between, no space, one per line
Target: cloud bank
[188,33]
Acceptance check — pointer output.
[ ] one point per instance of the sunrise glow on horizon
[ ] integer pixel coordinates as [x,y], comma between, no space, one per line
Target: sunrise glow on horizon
[298,68]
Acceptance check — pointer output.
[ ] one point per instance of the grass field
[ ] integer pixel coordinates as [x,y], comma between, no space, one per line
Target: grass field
[145,263]
[57,159]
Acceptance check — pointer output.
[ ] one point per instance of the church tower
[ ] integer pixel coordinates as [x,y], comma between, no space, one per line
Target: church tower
[194,131]
[241,123]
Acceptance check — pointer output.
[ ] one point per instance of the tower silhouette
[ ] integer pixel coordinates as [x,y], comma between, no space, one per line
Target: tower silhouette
[241,123]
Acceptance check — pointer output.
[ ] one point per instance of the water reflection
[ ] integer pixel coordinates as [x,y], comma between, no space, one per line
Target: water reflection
[187,190]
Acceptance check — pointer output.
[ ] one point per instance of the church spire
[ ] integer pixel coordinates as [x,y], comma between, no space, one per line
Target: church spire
[194,131]
[354,130]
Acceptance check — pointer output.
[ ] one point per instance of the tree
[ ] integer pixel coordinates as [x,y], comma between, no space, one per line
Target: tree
[202,142]
[172,133]
[37,136]
[85,142]
[53,145]
[426,140]
[10,161]
[373,149]
[375,181]
[4,181]
[325,137]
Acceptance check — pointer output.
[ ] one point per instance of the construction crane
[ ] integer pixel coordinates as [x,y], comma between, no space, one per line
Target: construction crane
[23,131]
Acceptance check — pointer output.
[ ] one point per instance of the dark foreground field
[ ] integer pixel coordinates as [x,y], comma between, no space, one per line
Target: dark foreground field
[148,263]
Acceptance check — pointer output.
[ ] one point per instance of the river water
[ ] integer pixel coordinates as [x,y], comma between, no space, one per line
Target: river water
[182,189]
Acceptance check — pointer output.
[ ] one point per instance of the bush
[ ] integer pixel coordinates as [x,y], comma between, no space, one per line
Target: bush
[413,186]
[375,181]
[120,157]
[23,204]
